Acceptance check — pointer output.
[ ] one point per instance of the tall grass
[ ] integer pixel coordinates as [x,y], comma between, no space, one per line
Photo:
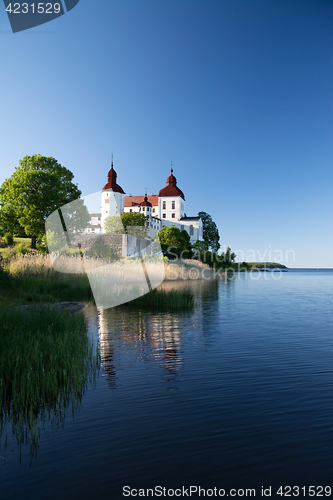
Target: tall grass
[31,278]
[45,364]
[163,300]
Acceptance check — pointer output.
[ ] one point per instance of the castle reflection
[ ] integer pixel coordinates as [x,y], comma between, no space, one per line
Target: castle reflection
[144,335]
[128,336]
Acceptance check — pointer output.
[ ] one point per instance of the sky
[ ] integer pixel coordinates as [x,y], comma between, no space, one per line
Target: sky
[236,93]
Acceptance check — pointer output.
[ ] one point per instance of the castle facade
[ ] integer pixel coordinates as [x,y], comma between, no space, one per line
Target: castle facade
[165,209]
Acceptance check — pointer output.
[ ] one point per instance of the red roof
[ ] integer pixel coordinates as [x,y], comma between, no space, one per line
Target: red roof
[145,202]
[171,188]
[135,201]
[112,181]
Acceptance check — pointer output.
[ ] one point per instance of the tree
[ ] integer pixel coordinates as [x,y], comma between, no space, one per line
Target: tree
[128,222]
[228,256]
[38,187]
[200,246]
[175,243]
[114,225]
[135,223]
[210,231]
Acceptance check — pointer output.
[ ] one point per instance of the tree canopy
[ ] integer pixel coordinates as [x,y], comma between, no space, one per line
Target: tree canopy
[210,231]
[38,187]
[128,222]
[175,243]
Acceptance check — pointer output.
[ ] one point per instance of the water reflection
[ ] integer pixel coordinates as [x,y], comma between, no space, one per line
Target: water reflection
[126,335]
[47,362]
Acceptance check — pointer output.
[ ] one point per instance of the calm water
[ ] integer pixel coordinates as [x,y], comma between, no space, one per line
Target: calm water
[236,394]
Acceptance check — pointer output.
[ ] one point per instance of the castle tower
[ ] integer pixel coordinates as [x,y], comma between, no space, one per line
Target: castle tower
[171,201]
[112,198]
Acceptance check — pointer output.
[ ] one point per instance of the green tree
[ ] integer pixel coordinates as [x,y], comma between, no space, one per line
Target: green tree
[135,223]
[175,243]
[210,231]
[38,187]
[228,257]
[128,222]
[113,225]
[200,246]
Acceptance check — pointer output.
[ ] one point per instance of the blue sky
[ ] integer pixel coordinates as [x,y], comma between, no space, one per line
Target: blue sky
[237,93]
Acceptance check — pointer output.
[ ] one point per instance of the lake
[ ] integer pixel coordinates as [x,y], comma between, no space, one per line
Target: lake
[235,395]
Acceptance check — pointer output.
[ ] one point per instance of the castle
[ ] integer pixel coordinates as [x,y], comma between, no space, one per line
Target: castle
[165,209]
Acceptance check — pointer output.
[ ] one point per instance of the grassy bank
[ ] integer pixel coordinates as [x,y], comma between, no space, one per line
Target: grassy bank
[31,279]
[45,364]
[163,300]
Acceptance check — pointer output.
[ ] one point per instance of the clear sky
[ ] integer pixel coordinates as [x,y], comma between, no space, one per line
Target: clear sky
[238,93]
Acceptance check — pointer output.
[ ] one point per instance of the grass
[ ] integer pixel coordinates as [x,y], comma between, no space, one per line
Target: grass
[163,300]
[31,278]
[45,364]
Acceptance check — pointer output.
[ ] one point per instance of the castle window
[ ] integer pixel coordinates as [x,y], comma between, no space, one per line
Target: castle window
[164,205]
[173,216]
[182,227]
[173,205]
[164,216]
[131,210]
[191,230]
[153,210]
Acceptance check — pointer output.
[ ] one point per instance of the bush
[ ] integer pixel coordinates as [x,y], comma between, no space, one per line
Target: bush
[9,239]
[21,249]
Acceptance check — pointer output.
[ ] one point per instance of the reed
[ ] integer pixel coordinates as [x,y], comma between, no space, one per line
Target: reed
[31,278]
[164,300]
[46,363]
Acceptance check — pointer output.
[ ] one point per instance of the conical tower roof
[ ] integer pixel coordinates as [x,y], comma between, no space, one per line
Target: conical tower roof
[171,189]
[112,181]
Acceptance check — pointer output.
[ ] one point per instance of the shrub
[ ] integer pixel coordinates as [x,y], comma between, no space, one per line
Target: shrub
[9,239]
[21,249]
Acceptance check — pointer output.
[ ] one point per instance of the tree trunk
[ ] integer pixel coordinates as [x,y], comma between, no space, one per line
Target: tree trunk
[33,242]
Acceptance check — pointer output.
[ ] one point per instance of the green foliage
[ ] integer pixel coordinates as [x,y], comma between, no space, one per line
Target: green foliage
[223,261]
[210,231]
[101,249]
[21,249]
[164,300]
[128,222]
[228,256]
[134,219]
[46,362]
[267,265]
[113,225]
[37,188]
[9,239]
[175,243]
[200,246]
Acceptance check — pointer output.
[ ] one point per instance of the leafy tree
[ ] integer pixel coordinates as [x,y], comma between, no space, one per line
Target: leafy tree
[200,246]
[113,225]
[210,231]
[175,243]
[228,256]
[135,223]
[128,222]
[37,188]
